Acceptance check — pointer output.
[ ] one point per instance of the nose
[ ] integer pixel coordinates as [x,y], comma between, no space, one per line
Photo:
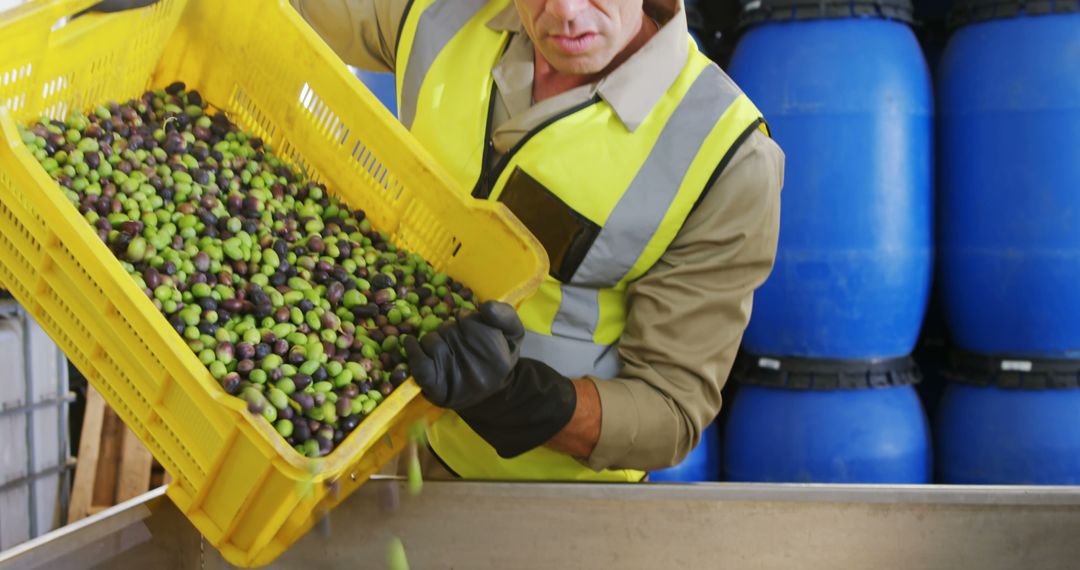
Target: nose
[565,10]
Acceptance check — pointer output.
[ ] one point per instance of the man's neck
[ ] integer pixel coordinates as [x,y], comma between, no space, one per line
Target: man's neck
[549,82]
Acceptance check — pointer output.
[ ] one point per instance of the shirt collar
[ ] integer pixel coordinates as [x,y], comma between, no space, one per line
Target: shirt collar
[635,87]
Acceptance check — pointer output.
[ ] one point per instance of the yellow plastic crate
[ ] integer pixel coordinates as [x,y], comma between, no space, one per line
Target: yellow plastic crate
[247,491]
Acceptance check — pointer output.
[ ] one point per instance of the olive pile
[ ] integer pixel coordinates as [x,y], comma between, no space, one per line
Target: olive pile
[289,297]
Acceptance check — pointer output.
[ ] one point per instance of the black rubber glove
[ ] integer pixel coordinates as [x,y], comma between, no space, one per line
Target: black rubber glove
[472,367]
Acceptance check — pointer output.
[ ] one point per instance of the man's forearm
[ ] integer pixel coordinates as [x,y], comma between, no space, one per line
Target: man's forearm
[362,33]
[579,437]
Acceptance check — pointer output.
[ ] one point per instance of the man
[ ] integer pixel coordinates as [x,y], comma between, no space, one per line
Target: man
[648,177]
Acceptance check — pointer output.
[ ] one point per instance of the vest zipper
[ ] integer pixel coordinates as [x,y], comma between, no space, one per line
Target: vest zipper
[488,178]
[489,146]
[401,28]
[724,162]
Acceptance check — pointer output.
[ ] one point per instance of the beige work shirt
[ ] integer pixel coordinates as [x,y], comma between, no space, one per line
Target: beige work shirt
[685,316]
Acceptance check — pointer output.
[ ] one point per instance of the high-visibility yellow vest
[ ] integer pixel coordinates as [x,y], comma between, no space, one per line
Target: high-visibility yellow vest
[605,202]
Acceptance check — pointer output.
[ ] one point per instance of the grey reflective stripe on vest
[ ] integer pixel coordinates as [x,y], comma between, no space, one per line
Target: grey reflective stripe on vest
[572,358]
[580,312]
[437,26]
[642,208]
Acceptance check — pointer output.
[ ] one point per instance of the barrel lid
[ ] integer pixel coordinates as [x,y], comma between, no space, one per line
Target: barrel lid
[824,374]
[758,11]
[1018,372]
[971,11]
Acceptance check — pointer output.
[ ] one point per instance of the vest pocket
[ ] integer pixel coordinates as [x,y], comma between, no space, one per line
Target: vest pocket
[565,234]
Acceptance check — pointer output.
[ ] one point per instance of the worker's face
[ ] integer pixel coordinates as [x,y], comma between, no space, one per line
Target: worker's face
[581,36]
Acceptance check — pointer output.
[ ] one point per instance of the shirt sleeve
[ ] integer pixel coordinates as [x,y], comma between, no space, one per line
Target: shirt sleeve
[363,33]
[686,317]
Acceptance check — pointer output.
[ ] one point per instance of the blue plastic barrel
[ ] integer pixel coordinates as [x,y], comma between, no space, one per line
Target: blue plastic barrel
[998,436]
[702,464]
[782,435]
[1009,105]
[849,101]
[382,85]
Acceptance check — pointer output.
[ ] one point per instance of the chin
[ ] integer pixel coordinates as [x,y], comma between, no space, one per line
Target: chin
[578,65]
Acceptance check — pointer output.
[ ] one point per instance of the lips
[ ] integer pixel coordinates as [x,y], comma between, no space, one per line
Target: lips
[575,44]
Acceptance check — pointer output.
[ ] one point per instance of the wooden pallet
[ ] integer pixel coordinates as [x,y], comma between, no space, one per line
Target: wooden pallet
[112,466]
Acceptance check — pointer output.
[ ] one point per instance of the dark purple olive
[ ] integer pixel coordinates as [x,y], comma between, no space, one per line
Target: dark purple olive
[301,381]
[281,314]
[306,401]
[233,305]
[132,227]
[175,144]
[151,276]
[226,351]
[365,311]
[334,293]
[330,321]
[231,383]
[381,297]
[301,431]
[349,423]
[245,366]
[381,281]
[344,406]
[201,262]
[245,351]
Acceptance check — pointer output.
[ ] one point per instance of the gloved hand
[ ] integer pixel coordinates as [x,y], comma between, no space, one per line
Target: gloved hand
[472,367]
